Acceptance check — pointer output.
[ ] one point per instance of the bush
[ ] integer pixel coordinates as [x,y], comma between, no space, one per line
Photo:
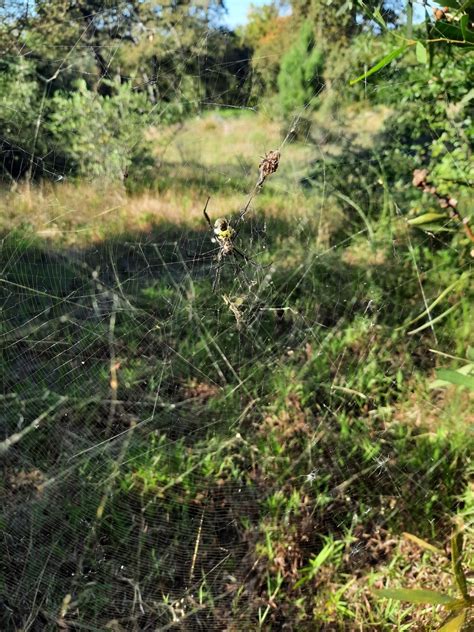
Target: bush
[96,135]
[20,104]
[431,127]
[79,133]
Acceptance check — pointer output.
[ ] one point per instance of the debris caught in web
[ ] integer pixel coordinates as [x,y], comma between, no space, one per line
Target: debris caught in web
[268,166]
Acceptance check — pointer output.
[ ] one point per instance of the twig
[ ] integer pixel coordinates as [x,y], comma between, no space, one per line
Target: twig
[113,362]
[196,546]
[17,436]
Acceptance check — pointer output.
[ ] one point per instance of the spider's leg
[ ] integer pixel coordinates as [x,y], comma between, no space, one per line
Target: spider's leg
[250,260]
[208,253]
[208,219]
[217,275]
[241,254]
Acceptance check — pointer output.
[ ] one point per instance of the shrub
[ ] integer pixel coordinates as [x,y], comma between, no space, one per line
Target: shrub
[20,103]
[94,135]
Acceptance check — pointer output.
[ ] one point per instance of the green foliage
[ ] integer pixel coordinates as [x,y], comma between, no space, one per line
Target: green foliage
[459,378]
[300,79]
[381,64]
[260,497]
[331,553]
[432,125]
[20,99]
[97,76]
[95,135]
[287,469]
[336,23]
[73,133]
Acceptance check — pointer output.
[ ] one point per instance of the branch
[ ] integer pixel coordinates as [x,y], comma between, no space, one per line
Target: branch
[17,436]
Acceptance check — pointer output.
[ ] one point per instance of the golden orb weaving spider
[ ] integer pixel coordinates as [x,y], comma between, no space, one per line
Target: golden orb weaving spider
[224,235]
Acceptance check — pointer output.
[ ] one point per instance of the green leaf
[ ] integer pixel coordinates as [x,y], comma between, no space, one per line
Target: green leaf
[381,64]
[437,300]
[456,554]
[426,217]
[416,596]
[421,53]
[464,24]
[379,18]
[454,377]
[422,543]
[451,31]
[435,228]
[455,624]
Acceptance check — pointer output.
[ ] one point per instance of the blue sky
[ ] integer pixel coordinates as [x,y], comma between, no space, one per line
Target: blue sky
[237,11]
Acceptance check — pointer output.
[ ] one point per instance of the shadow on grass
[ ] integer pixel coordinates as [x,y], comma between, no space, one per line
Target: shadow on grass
[163,436]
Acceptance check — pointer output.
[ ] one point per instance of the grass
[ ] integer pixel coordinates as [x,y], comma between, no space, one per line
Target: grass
[238,460]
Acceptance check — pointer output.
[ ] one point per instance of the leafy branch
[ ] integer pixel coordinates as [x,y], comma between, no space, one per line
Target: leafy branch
[453,29]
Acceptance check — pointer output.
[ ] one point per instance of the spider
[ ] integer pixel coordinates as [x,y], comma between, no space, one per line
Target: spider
[225,234]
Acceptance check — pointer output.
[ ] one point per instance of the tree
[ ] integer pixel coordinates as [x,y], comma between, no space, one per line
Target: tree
[338,22]
[269,35]
[300,77]
[101,36]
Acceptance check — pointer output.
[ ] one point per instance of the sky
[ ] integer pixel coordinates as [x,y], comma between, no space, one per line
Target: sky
[237,11]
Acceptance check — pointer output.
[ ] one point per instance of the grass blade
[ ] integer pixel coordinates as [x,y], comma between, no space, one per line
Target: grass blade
[422,543]
[437,300]
[456,554]
[455,377]
[357,208]
[455,624]
[416,596]
[434,320]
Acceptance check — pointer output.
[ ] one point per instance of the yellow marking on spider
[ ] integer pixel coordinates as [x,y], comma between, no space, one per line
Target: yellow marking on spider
[223,230]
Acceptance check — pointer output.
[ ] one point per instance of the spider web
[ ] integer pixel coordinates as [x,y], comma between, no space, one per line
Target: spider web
[143,412]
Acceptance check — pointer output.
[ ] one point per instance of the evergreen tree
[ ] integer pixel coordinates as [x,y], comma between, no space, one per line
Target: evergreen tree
[300,77]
